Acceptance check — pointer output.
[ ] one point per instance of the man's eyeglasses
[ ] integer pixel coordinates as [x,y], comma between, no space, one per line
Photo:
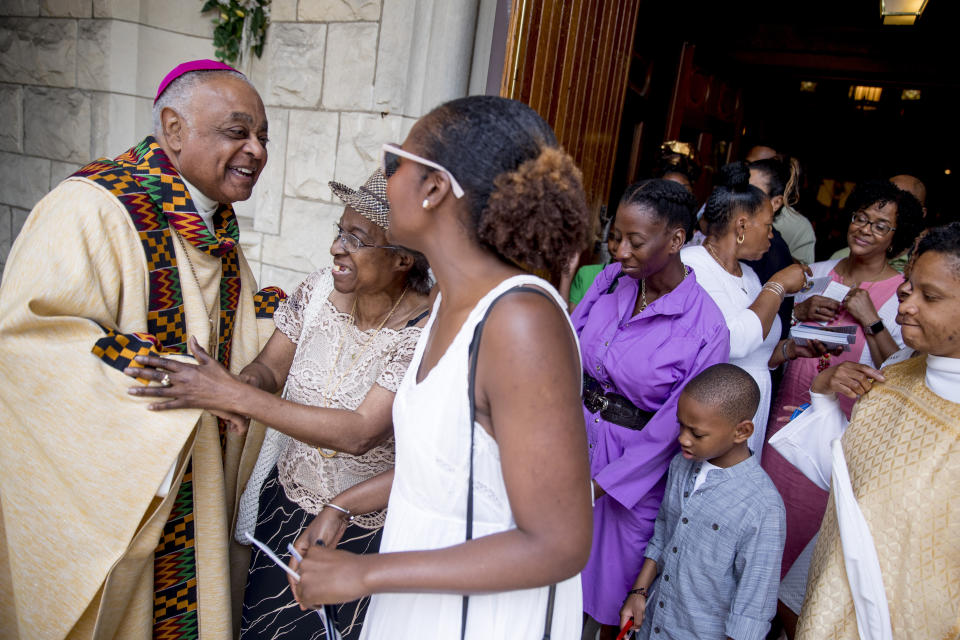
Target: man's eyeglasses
[390,156]
[352,243]
[879,228]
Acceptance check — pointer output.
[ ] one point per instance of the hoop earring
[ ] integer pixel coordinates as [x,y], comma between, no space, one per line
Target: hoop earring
[426,203]
[740,239]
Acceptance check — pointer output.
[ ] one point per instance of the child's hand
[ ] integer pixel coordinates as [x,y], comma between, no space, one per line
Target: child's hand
[633,607]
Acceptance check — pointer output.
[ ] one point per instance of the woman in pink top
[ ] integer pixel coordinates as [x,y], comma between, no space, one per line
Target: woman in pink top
[884,221]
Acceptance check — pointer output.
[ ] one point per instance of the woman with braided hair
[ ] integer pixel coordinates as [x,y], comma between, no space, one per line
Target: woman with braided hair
[489,501]
[646,328]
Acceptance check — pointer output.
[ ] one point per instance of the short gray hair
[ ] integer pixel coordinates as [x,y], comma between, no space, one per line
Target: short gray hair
[178,93]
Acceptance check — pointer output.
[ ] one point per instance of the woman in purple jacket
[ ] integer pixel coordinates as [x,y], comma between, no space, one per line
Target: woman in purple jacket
[646,327]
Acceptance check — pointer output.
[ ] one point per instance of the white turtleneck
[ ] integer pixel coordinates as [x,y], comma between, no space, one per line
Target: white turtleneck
[943,377]
[206,207]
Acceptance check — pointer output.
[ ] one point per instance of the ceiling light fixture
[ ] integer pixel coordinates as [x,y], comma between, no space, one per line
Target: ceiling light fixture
[901,12]
[860,93]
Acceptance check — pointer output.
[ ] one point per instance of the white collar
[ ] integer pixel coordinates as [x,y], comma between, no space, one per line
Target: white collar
[705,468]
[943,377]
[206,206]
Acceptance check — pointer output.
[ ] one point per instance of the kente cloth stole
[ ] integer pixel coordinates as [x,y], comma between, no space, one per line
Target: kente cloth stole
[266,300]
[154,195]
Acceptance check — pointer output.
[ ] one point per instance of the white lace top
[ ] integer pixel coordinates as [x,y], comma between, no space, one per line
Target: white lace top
[319,366]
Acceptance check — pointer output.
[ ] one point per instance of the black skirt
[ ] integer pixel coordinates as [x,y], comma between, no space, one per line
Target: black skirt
[269,610]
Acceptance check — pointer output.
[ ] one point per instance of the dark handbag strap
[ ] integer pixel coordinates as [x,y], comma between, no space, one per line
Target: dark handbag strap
[548,623]
[471,386]
[614,282]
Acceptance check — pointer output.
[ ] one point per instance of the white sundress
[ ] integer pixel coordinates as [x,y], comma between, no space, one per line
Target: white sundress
[428,501]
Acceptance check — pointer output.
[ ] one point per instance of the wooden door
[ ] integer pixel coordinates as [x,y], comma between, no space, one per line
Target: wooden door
[706,111]
[569,60]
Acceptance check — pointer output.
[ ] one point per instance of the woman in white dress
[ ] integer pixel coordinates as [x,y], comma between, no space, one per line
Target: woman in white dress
[739,227]
[480,186]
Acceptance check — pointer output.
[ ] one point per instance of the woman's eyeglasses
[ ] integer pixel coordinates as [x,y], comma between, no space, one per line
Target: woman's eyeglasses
[352,243]
[879,228]
[390,156]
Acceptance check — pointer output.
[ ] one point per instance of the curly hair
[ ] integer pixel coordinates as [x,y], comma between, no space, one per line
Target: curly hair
[909,222]
[669,201]
[945,240]
[733,195]
[524,193]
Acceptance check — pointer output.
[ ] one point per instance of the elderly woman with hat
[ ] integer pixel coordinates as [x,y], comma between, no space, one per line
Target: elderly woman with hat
[342,344]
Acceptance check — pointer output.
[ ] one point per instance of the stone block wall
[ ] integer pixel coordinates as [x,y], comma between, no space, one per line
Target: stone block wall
[77,79]
[338,78]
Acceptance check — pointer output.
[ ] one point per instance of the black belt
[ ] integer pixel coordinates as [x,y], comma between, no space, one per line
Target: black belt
[613,407]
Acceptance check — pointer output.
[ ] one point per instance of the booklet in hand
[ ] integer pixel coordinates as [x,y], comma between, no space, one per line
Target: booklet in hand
[843,336]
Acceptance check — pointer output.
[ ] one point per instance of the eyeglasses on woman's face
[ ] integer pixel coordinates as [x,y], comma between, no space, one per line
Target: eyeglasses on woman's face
[390,155]
[879,228]
[352,243]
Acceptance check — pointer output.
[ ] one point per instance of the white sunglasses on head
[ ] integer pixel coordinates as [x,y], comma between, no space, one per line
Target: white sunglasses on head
[388,163]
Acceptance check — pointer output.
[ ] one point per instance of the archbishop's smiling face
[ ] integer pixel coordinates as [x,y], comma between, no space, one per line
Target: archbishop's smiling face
[221,143]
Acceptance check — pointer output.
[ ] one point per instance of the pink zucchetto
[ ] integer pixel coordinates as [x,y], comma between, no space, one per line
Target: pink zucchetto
[187,67]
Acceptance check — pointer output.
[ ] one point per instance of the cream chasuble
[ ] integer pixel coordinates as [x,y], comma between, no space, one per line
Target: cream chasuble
[82,460]
[902,449]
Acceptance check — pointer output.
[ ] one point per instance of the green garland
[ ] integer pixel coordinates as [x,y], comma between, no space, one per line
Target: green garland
[241,26]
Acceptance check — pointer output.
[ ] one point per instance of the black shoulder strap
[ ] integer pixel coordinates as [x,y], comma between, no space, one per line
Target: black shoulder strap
[548,622]
[471,391]
[614,282]
[413,322]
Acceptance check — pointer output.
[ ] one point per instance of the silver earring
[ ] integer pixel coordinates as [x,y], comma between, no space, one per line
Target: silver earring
[426,203]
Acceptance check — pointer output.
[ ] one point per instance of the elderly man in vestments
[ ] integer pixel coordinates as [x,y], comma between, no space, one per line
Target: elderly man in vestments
[115,519]
[887,559]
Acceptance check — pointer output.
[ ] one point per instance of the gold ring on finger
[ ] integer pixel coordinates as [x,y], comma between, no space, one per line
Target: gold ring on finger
[165,380]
